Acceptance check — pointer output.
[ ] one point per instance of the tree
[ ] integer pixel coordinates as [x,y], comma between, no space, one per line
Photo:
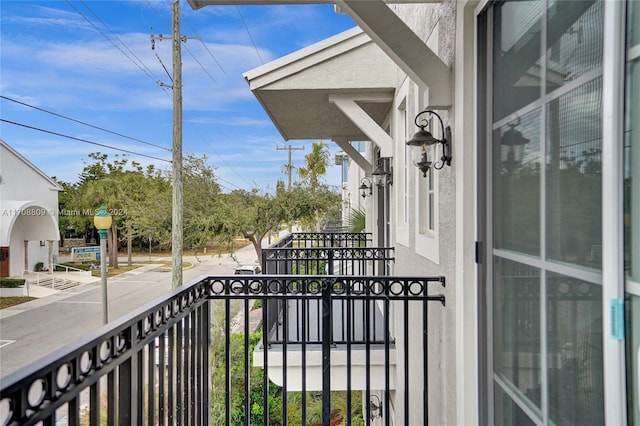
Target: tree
[202,218]
[316,163]
[253,216]
[125,188]
[320,198]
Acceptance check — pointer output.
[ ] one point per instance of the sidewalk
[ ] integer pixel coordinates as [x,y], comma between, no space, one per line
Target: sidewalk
[244,256]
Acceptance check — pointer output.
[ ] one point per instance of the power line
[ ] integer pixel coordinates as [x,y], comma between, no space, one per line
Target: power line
[83,140]
[153,47]
[142,67]
[195,129]
[84,123]
[249,32]
[207,49]
[153,8]
[289,166]
[202,66]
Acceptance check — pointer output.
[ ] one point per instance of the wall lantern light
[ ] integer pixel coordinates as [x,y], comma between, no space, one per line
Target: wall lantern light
[423,138]
[365,188]
[512,147]
[380,175]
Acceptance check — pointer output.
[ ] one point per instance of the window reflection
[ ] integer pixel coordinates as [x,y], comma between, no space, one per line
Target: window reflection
[517,333]
[517,56]
[574,166]
[574,351]
[574,37]
[517,185]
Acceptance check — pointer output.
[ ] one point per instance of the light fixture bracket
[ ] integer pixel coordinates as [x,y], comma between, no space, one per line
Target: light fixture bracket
[423,139]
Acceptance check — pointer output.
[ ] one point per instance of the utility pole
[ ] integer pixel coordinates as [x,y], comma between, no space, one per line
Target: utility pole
[176,223]
[289,166]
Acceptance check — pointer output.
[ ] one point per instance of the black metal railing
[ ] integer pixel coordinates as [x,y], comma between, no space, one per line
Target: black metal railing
[169,363]
[325,254]
[323,239]
[150,367]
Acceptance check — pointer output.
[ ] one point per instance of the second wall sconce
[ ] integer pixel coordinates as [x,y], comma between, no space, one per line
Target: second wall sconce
[366,189]
[423,139]
[382,175]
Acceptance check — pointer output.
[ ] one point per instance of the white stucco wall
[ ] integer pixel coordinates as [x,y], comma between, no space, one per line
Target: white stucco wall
[28,211]
[436,25]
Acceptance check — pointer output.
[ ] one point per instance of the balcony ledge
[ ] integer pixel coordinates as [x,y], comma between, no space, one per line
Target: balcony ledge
[339,373]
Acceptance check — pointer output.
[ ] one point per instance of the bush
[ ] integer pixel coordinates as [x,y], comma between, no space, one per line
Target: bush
[38,267]
[11,282]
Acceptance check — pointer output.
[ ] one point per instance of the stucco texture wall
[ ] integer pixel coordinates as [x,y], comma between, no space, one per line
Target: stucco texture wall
[435,24]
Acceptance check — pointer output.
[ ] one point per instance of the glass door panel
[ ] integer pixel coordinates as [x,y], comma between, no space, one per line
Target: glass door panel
[574,351]
[574,176]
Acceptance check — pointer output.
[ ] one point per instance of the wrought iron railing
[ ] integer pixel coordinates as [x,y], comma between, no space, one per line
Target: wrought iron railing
[155,366]
[323,239]
[325,254]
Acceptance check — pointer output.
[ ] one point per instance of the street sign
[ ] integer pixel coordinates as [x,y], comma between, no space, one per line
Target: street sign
[85,254]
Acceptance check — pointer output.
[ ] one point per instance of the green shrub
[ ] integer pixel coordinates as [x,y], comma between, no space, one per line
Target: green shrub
[11,282]
[39,266]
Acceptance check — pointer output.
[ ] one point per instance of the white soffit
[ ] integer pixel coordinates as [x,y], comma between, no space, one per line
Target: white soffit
[395,38]
[402,45]
[295,90]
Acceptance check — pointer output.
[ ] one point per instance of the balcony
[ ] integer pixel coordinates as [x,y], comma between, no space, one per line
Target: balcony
[192,358]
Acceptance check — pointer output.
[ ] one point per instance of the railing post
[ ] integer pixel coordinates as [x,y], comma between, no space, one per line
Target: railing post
[327,328]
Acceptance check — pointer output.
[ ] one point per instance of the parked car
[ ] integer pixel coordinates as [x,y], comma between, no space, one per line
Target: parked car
[248,269]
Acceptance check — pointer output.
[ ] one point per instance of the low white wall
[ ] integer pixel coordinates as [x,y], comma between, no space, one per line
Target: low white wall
[13,292]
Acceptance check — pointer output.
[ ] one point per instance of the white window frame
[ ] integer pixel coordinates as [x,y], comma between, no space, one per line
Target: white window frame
[402,160]
[427,240]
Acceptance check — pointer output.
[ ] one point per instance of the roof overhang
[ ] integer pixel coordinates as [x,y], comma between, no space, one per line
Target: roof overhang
[302,92]
[391,34]
[197,4]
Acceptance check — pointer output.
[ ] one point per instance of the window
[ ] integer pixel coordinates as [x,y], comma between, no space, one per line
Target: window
[427,241]
[402,165]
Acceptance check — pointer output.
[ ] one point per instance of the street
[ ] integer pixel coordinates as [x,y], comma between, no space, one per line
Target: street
[38,328]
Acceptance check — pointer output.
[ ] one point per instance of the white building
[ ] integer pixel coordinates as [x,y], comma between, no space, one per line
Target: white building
[28,214]
[536,222]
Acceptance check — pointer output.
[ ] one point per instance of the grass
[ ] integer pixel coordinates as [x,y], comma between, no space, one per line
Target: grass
[7,302]
[112,272]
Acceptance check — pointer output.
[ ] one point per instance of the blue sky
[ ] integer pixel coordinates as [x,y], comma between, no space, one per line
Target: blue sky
[92,61]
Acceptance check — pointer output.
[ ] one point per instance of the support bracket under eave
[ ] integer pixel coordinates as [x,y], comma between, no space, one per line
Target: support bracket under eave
[404,47]
[354,154]
[347,104]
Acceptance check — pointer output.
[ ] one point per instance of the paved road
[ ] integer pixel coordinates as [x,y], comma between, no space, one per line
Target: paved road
[32,330]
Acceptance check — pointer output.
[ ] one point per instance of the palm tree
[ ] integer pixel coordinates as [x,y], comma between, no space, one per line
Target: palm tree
[316,163]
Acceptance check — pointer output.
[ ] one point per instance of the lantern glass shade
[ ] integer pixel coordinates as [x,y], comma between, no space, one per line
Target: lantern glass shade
[379,176]
[512,146]
[512,153]
[102,220]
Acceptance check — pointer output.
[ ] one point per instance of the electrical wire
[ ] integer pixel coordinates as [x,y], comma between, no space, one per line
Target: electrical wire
[142,67]
[84,123]
[249,32]
[199,38]
[202,66]
[151,75]
[82,140]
